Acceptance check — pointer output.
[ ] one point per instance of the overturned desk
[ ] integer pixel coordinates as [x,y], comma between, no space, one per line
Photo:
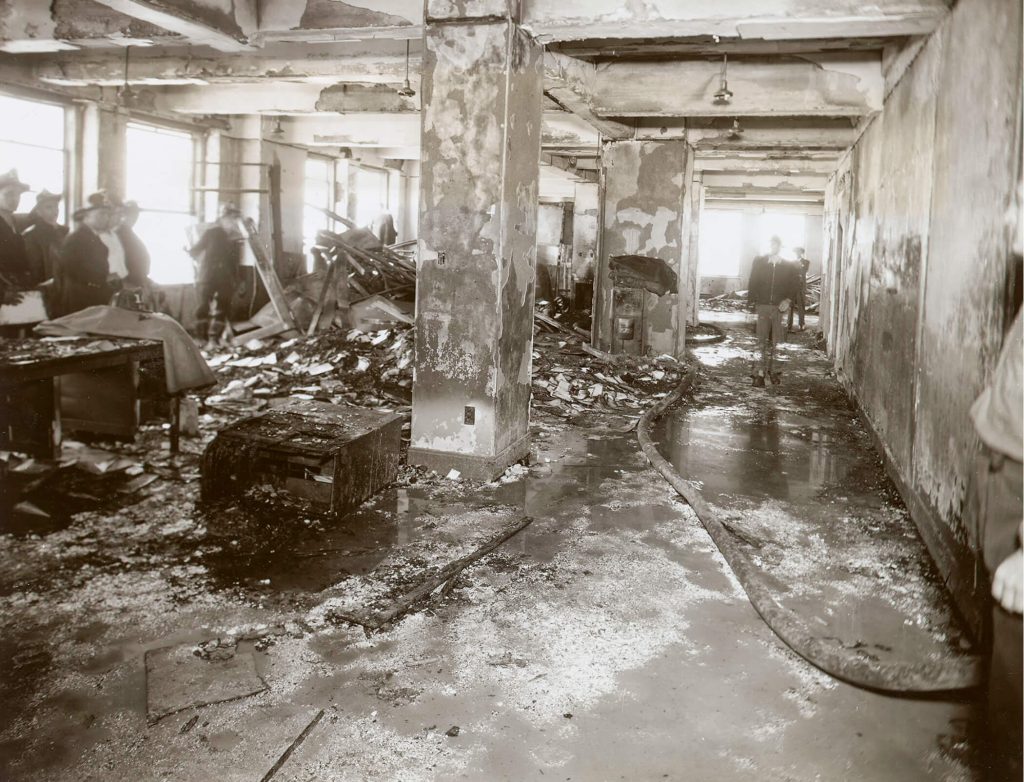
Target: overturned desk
[81,384]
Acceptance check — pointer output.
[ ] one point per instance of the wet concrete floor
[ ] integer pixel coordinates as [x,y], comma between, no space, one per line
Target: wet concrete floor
[793,471]
[607,641]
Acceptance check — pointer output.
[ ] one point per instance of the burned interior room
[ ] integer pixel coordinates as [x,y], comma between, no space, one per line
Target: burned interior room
[511,389]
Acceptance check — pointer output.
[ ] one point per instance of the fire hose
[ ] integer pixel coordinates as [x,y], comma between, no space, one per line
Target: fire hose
[827,654]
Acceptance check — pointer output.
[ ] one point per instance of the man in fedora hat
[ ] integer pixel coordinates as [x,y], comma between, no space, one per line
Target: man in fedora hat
[218,254]
[44,236]
[15,272]
[83,261]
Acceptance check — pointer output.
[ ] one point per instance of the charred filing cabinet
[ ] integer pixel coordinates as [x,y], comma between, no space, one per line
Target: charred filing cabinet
[335,456]
[639,282]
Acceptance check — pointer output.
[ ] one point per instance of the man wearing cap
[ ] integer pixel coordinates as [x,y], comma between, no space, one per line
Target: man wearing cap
[83,261]
[44,237]
[218,253]
[15,272]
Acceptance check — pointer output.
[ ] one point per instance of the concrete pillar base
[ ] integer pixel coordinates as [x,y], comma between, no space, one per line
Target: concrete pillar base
[474,468]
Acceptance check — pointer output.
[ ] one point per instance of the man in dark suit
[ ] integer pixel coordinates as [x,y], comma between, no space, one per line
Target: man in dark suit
[84,270]
[773,286]
[218,256]
[802,264]
[44,236]
[15,273]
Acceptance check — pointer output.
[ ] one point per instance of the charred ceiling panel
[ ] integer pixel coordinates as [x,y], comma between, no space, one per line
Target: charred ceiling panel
[326,14]
[84,19]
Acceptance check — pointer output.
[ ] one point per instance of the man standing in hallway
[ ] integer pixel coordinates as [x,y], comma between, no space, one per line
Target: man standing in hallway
[802,264]
[772,287]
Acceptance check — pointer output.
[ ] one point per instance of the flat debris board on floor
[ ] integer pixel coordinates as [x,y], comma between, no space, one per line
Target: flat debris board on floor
[178,679]
[334,456]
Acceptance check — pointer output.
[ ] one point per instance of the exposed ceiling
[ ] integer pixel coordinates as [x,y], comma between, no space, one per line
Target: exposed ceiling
[804,74]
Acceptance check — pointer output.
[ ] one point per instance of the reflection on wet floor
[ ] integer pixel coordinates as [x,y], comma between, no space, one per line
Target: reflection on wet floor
[796,474]
[317,556]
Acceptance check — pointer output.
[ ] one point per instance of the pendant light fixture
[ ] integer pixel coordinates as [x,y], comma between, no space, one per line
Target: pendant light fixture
[407,91]
[724,95]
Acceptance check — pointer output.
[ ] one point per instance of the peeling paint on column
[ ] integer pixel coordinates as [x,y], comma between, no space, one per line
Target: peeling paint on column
[643,206]
[482,90]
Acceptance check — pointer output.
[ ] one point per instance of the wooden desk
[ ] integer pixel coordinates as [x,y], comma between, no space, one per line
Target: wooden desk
[86,384]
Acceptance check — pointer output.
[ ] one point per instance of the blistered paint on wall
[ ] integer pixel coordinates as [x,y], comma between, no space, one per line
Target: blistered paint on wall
[478,219]
[914,217]
[643,214]
[585,214]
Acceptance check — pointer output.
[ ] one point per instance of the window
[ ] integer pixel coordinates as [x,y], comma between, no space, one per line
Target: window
[371,192]
[790,228]
[32,141]
[721,243]
[159,176]
[317,196]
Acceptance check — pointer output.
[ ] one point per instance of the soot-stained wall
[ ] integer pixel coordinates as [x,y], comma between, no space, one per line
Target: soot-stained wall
[918,265]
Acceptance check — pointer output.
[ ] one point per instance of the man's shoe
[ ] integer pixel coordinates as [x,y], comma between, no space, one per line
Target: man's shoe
[758,381]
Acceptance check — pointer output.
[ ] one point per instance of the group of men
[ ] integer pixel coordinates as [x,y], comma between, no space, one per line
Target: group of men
[89,265]
[776,287]
[103,260]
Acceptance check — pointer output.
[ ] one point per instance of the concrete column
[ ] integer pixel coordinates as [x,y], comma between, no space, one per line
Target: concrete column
[691,284]
[644,183]
[585,213]
[105,170]
[482,92]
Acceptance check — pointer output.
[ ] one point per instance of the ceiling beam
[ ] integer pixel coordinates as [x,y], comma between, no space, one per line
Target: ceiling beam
[747,181]
[569,83]
[365,129]
[200,23]
[754,205]
[756,166]
[769,135]
[675,48]
[553,21]
[848,85]
[379,62]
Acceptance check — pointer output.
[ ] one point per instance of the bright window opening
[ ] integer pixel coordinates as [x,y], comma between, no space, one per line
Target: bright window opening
[721,243]
[317,197]
[159,176]
[371,193]
[790,228]
[32,142]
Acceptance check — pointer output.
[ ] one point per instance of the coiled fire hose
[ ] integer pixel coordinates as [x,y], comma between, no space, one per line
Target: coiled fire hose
[953,673]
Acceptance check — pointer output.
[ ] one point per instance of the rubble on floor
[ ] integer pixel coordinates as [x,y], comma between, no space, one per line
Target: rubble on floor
[363,369]
[570,377]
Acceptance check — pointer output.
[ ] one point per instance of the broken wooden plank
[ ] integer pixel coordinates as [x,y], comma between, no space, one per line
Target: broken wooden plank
[406,602]
[267,272]
[261,333]
[293,746]
[552,323]
[325,292]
